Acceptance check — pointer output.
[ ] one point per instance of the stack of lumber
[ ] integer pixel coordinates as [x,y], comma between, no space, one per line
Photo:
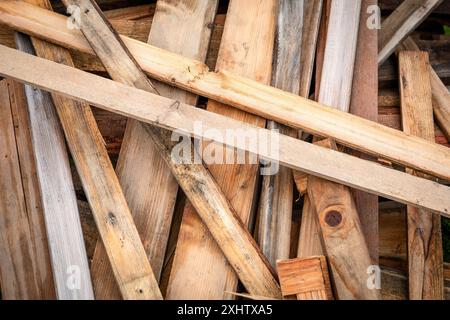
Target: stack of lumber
[120,180]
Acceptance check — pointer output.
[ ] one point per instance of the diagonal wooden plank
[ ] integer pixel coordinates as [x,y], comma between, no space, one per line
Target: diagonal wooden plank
[153,109]
[401,23]
[268,102]
[148,184]
[217,214]
[276,198]
[19,271]
[246,48]
[125,251]
[425,258]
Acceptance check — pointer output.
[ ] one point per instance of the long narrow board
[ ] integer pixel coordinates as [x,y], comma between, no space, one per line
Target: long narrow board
[126,253]
[30,183]
[364,103]
[425,257]
[335,209]
[276,199]
[146,107]
[217,215]
[148,184]
[441,94]
[19,275]
[260,99]
[401,23]
[62,219]
[199,269]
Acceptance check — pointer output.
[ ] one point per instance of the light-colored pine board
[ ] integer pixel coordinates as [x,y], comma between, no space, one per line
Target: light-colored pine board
[268,102]
[147,107]
[148,184]
[125,251]
[30,184]
[276,198]
[364,103]
[441,94]
[306,278]
[246,48]
[65,237]
[19,275]
[400,23]
[425,257]
[217,214]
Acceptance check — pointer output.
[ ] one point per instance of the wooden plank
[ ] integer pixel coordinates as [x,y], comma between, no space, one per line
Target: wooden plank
[30,184]
[19,273]
[338,218]
[152,200]
[441,94]
[125,251]
[217,214]
[246,48]
[401,23]
[147,107]
[364,103]
[65,237]
[306,278]
[268,102]
[277,192]
[425,257]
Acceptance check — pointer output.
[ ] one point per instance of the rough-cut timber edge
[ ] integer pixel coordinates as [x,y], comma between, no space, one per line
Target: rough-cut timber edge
[338,218]
[364,103]
[235,241]
[172,115]
[147,182]
[20,276]
[425,257]
[246,48]
[306,278]
[30,183]
[62,220]
[401,23]
[441,94]
[112,216]
[276,198]
[248,95]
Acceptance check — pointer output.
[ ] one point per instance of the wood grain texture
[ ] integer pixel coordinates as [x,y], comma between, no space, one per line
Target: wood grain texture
[20,276]
[276,198]
[306,278]
[425,257]
[30,184]
[148,184]
[441,94]
[197,183]
[150,108]
[271,103]
[111,213]
[65,238]
[400,23]
[246,48]
[338,217]
[364,103]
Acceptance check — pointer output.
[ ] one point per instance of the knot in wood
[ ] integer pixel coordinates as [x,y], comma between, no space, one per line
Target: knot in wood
[333,218]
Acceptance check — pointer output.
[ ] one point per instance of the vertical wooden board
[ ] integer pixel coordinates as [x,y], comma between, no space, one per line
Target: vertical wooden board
[147,182]
[276,198]
[425,257]
[199,269]
[31,190]
[364,103]
[66,244]
[18,269]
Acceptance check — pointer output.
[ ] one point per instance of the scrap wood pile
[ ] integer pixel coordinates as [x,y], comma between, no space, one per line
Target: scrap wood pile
[94,204]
